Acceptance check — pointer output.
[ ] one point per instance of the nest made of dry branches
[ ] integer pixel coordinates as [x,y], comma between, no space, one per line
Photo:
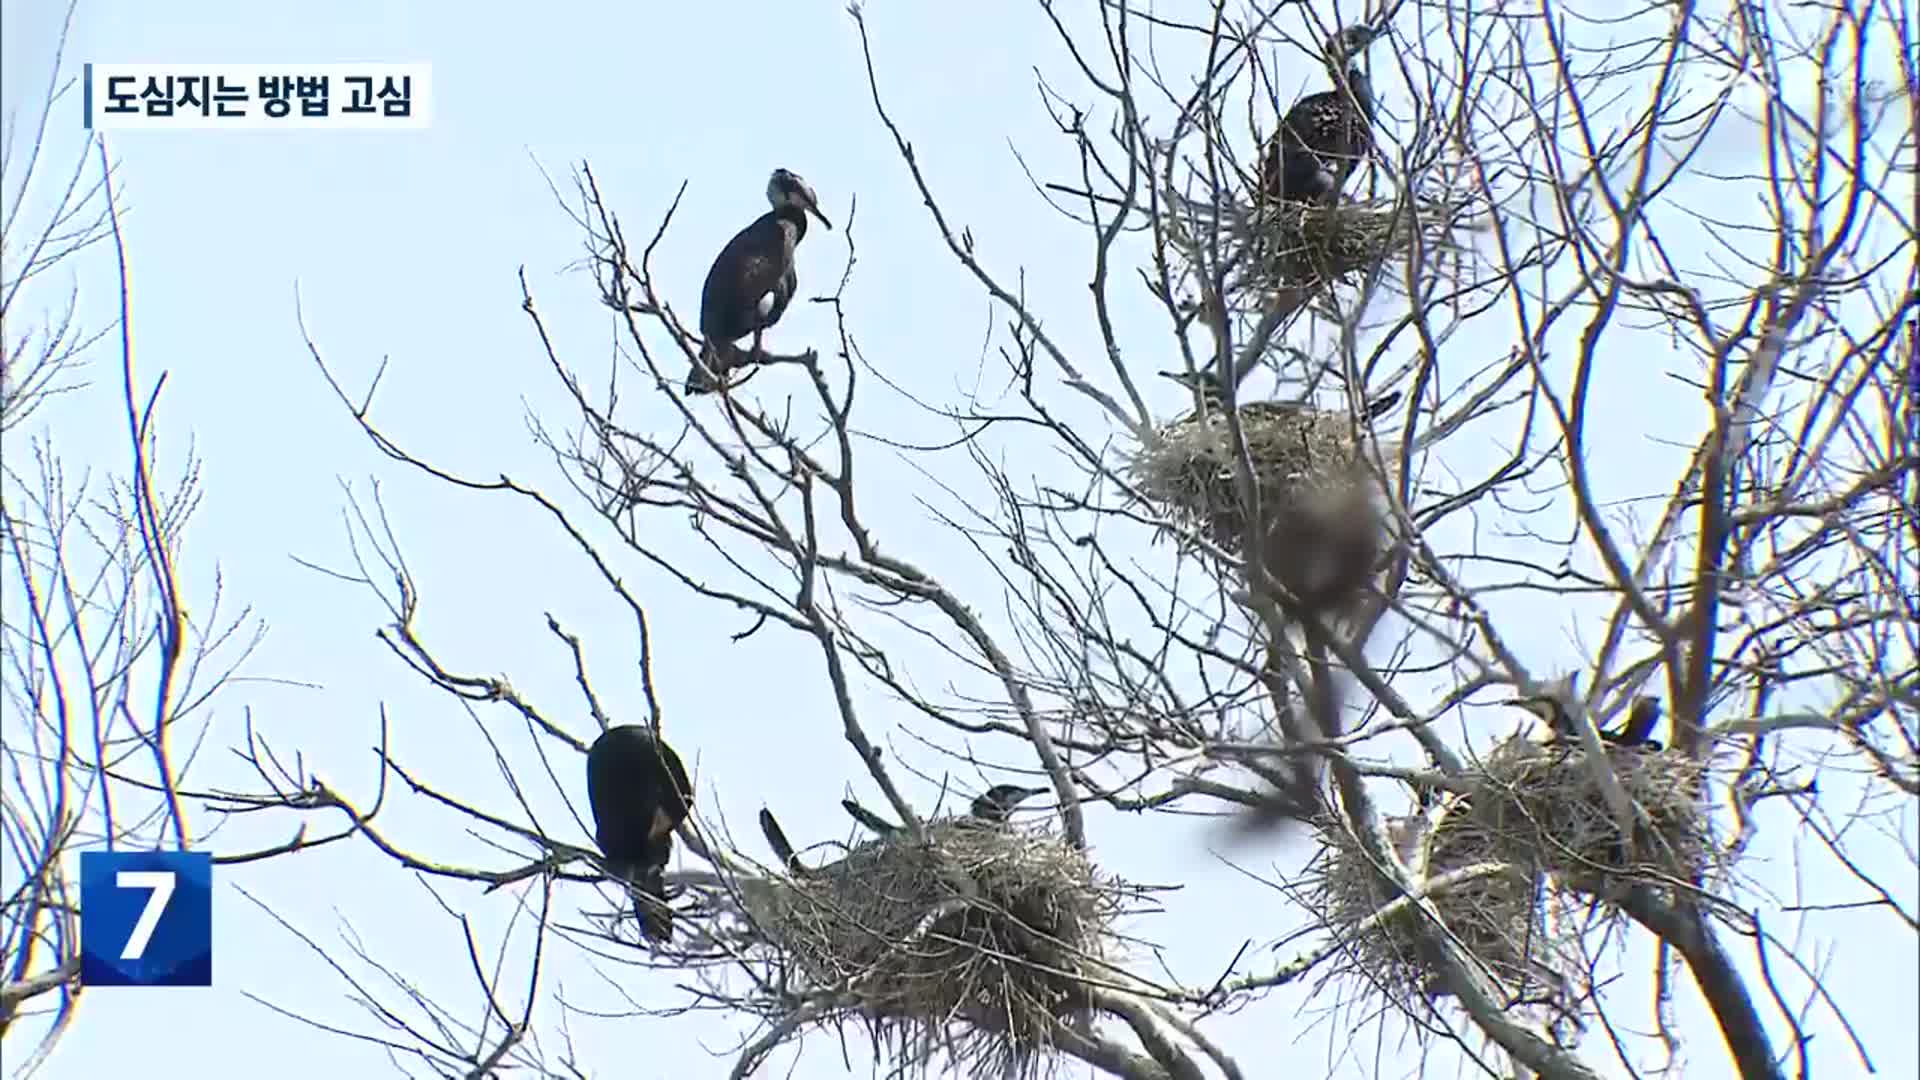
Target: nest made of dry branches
[1543,806]
[1321,533]
[1497,917]
[976,943]
[1293,243]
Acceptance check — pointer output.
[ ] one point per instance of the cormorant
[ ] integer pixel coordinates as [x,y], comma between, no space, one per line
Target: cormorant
[1636,732]
[1206,383]
[1323,138]
[996,806]
[752,281]
[639,794]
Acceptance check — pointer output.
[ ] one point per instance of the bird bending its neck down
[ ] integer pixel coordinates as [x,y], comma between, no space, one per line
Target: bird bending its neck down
[752,280]
[997,804]
[639,794]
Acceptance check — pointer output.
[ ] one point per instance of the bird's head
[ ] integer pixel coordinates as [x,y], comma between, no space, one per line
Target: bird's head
[1545,706]
[1646,711]
[785,188]
[998,802]
[1203,381]
[1349,43]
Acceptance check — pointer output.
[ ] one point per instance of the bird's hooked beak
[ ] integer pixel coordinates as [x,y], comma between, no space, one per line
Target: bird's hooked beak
[814,209]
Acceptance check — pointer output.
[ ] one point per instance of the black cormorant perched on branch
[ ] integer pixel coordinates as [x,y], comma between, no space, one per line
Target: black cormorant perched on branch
[753,279]
[1324,137]
[1637,731]
[639,794]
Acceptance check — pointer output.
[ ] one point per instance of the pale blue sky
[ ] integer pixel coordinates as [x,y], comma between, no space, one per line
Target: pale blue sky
[406,246]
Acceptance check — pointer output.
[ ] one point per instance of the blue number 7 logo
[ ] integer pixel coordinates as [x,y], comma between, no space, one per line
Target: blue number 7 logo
[146,918]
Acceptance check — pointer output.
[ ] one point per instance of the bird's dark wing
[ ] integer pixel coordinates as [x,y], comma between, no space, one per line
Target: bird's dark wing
[753,266]
[777,840]
[868,818]
[1321,142]
[620,796]
[719,318]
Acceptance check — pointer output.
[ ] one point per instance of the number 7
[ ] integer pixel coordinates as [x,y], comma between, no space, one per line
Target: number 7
[161,882]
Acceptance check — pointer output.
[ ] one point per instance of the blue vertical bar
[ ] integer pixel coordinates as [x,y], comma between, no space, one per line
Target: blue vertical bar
[86,96]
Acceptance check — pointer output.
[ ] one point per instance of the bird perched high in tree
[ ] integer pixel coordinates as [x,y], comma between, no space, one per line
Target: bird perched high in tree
[752,280]
[639,794]
[1325,136]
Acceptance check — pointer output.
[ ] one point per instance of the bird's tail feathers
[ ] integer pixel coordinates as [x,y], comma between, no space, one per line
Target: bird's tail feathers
[710,370]
[650,903]
[868,818]
[777,840]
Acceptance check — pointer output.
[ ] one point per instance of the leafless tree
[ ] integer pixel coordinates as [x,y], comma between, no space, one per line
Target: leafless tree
[1560,207]
[108,675]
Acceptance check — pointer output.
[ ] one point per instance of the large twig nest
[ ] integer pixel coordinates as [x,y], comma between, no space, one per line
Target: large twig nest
[1278,245]
[1295,244]
[1496,915]
[1321,533]
[973,943]
[1543,806]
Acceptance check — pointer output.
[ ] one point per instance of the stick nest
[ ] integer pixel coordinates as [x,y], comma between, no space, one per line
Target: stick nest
[1322,534]
[1543,807]
[1497,916]
[974,942]
[1296,244]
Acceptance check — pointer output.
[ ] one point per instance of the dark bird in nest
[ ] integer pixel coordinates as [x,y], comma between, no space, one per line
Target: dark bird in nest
[1206,384]
[639,794]
[1636,732]
[1324,137]
[994,807]
[753,280]
[997,805]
